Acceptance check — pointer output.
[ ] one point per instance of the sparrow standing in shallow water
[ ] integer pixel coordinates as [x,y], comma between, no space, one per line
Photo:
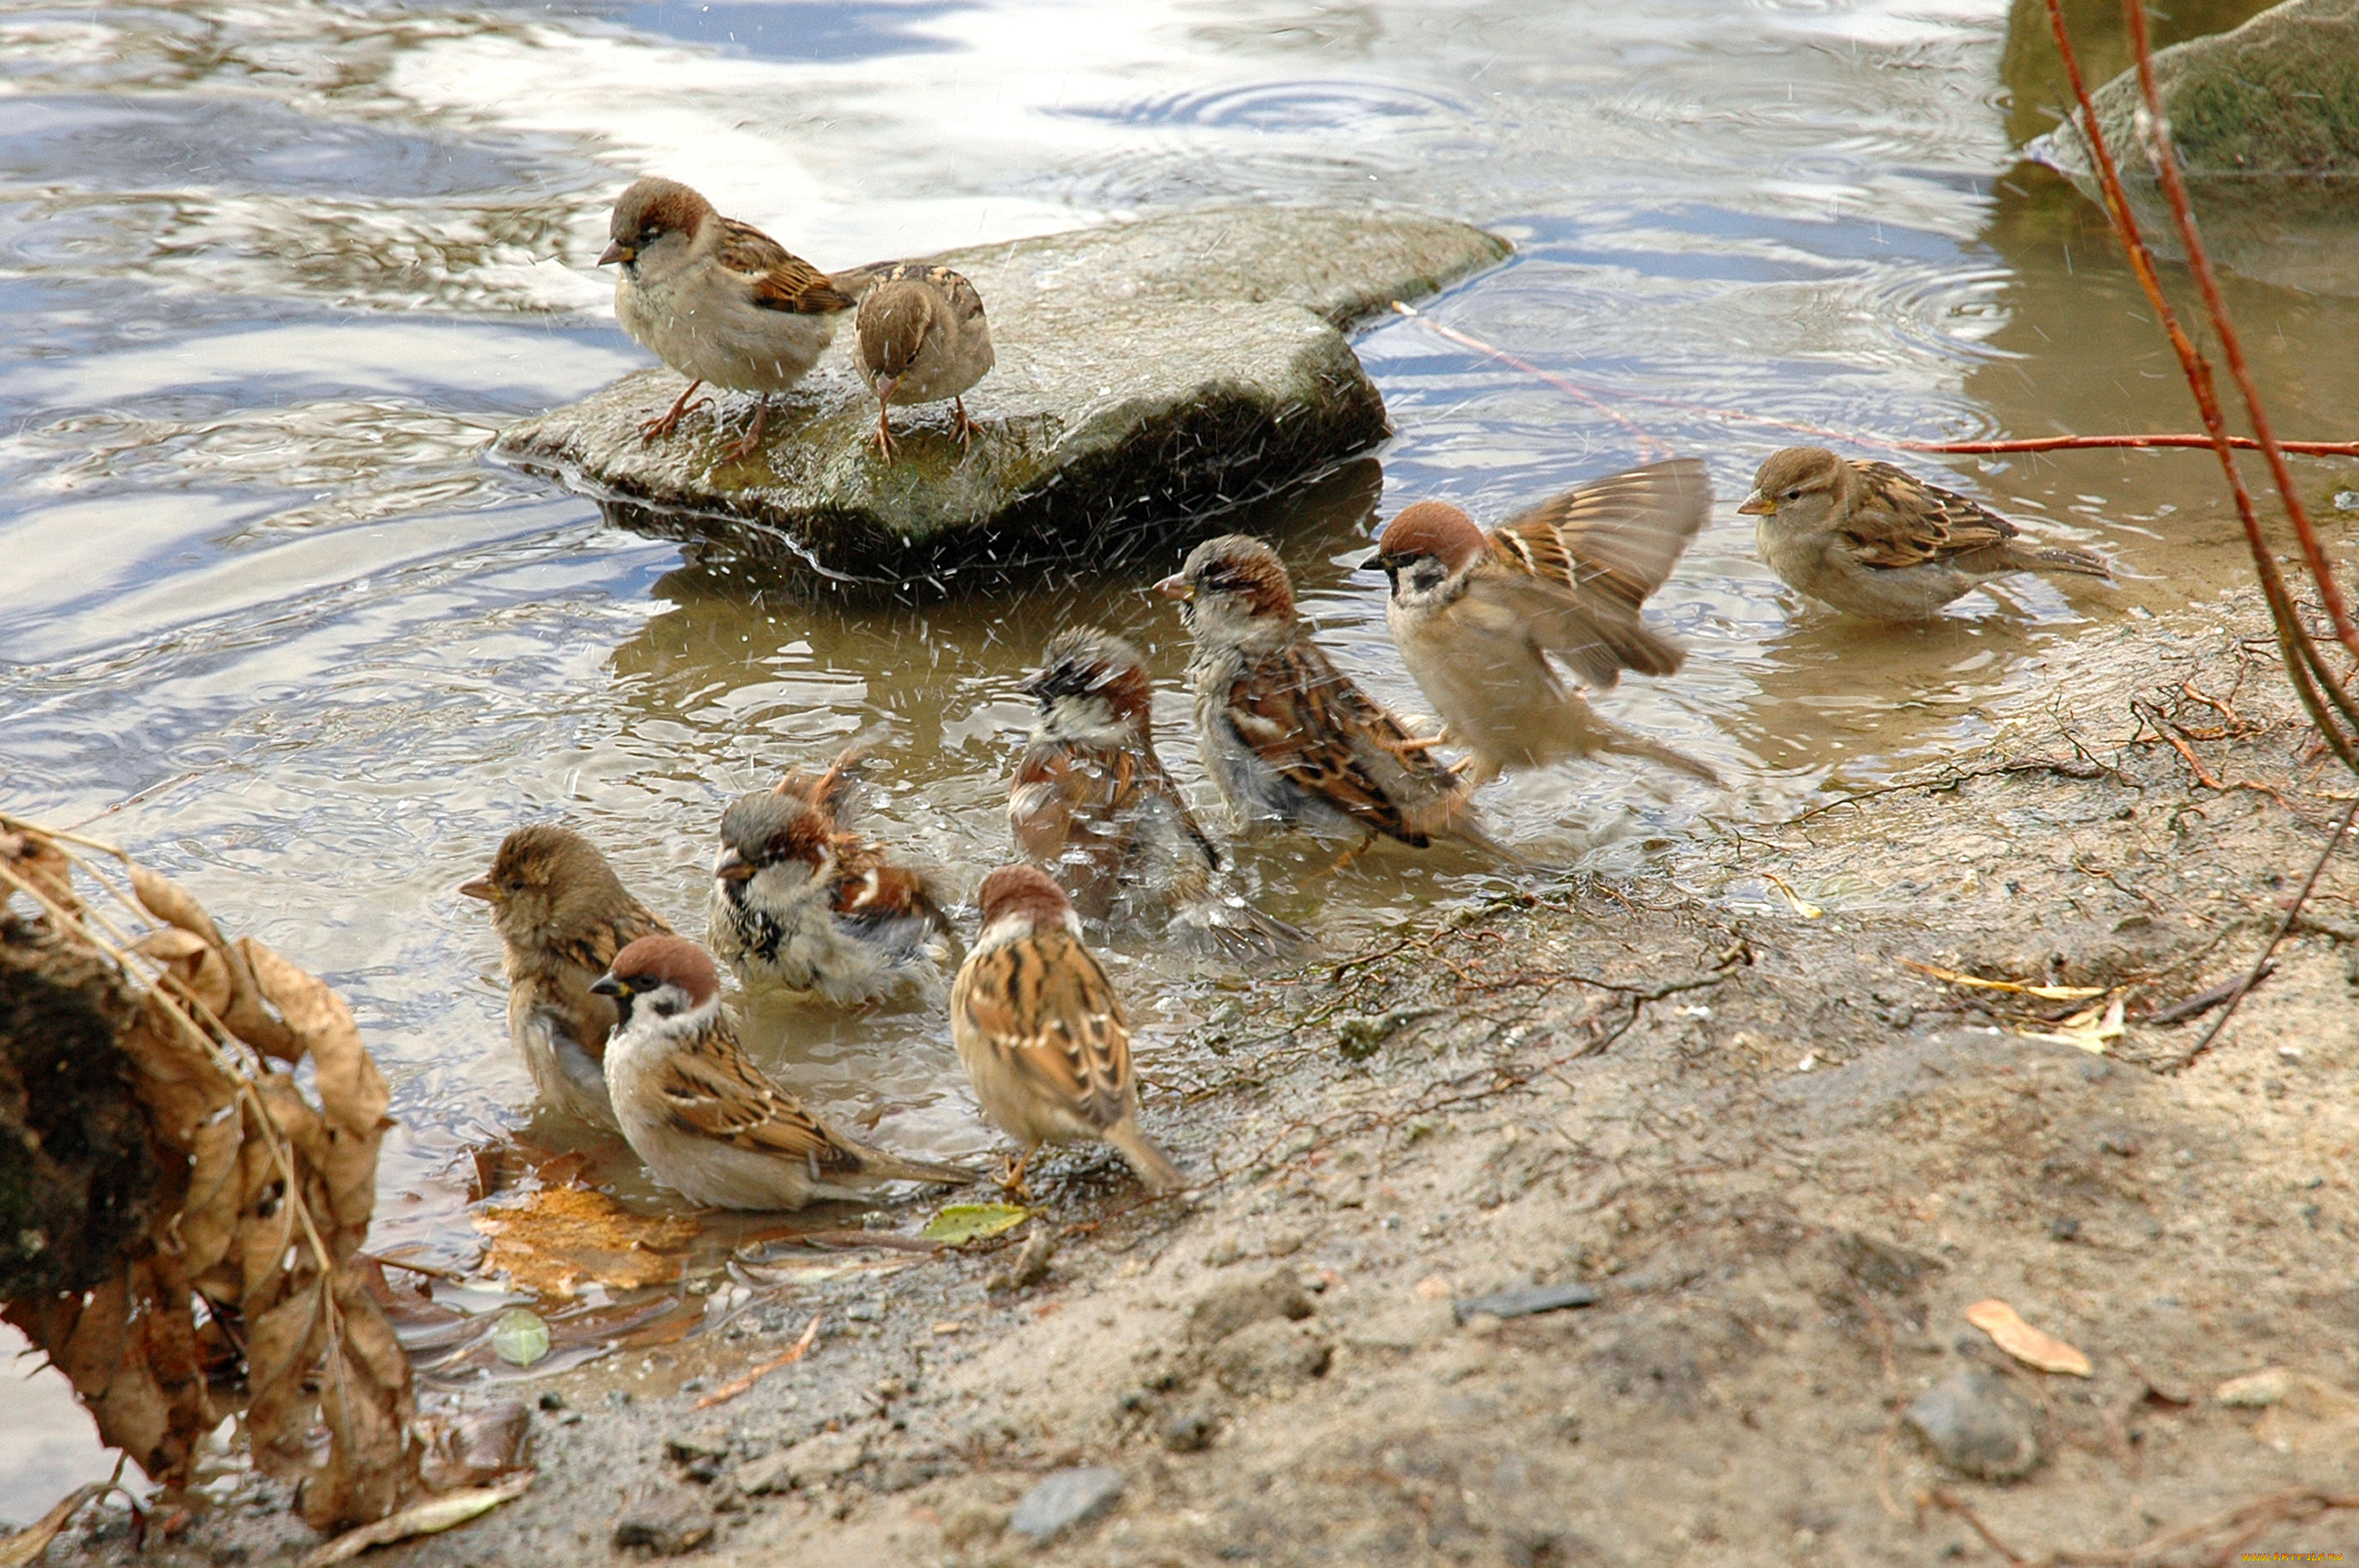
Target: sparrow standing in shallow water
[1476,615]
[1291,741]
[718,300]
[562,915]
[803,905]
[1042,1034]
[708,1123]
[1091,802]
[1870,540]
[922,338]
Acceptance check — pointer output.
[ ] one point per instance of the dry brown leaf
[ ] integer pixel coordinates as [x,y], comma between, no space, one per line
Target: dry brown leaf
[2050,993]
[173,904]
[41,863]
[422,1518]
[2088,1030]
[553,1240]
[2025,1343]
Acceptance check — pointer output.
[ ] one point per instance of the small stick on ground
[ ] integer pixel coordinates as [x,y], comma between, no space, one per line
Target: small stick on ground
[736,1386]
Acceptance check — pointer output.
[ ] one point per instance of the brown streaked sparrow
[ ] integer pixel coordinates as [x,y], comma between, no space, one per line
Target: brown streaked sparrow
[1044,1038]
[1476,615]
[1291,741]
[805,906]
[1871,540]
[709,1124]
[1091,802]
[922,338]
[718,300]
[562,915]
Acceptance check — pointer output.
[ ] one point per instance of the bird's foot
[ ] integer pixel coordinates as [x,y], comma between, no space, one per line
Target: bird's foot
[884,437]
[1011,1177]
[737,451]
[664,424]
[962,425]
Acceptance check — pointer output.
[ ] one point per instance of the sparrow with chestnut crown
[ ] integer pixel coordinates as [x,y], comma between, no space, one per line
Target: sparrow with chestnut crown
[709,1124]
[922,338]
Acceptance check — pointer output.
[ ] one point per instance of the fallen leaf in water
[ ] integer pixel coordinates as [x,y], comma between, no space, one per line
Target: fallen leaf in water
[519,1338]
[2025,1343]
[550,1242]
[1803,906]
[425,1519]
[2049,993]
[2087,1029]
[963,1222]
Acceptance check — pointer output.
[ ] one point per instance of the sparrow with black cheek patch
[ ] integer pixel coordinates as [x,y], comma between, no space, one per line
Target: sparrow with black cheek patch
[805,906]
[718,300]
[1043,1037]
[708,1123]
[1091,804]
[1476,615]
[1870,540]
[1291,741]
[922,338]
[562,915]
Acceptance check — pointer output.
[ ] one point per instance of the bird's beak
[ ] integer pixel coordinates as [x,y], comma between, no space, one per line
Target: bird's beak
[610,985]
[480,888]
[729,866]
[616,251]
[1176,586]
[1758,505]
[1375,561]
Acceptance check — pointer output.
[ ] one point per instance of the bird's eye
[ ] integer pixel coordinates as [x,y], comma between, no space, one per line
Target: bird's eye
[1793,494]
[649,234]
[513,884]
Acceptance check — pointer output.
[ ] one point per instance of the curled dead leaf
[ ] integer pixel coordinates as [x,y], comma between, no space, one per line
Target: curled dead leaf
[2025,1343]
[434,1514]
[173,904]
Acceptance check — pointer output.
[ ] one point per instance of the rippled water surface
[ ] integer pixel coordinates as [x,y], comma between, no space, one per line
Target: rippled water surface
[272,273]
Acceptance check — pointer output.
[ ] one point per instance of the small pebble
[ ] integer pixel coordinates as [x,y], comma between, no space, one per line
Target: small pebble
[1976,1425]
[665,1520]
[1187,1433]
[1064,1498]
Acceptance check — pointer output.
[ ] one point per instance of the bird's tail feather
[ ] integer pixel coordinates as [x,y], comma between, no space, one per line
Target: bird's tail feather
[1240,931]
[2059,558]
[1633,745]
[1154,1167]
[894,1168]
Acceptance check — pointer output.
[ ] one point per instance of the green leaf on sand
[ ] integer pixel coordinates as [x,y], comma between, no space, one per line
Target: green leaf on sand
[963,1222]
[519,1338]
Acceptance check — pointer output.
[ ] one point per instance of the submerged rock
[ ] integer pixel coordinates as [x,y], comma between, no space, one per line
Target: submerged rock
[1149,373]
[2264,120]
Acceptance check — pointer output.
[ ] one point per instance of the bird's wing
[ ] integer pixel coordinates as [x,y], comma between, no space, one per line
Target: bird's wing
[1615,539]
[716,1092]
[1901,521]
[1047,1013]
[1314,725]
[872,890]
[775,276]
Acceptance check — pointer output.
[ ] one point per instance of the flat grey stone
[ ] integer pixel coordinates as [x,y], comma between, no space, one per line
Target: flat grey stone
[1234,1303]
[2265,119]
[665,1520]
[1976,1425]
[1147,375]
[1064,1498]
[1524,1302]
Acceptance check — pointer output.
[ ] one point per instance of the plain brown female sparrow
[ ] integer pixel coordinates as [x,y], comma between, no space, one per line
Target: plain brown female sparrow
[708,1123]
[1476,615]
[1091,804]
[562,915]
[805,906]
[1291,741]
[1870,540]
[922,338]
[1043,1037]
[718,300]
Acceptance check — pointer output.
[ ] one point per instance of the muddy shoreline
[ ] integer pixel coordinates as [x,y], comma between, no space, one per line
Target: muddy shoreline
[1786,1161]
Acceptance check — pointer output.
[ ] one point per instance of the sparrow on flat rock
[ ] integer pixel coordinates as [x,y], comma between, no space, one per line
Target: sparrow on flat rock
[1477,615]
[804,906]
[922,338]
[1090,803]
[1871,540]
[562,915]
[718,300]
[1043,1037]
[708,1123]
[1291,741]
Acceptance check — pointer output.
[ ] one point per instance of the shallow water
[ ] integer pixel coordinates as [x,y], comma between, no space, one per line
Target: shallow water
[272,274]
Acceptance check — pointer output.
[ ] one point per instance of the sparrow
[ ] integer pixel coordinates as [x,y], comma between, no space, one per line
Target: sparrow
[1042,1035]
[1476,615]
[709,1124]
[922,338]
[562,915]
[1871,540]
[1091,803]
[1291,741]
[718,300]
[805,906]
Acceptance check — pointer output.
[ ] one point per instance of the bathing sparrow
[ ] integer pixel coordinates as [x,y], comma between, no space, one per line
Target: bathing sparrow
[1044,1038]
[807,907]
[1870,540]
[718,300]
[922,338]
[1291,741]
[1476,615]
[708,1123]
